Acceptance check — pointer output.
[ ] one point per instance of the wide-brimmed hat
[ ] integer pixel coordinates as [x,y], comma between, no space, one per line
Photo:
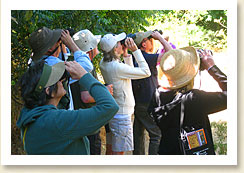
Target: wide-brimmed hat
[140,36]
[50,75]
[42,40]
[85,40]
[179,67]
[108,41]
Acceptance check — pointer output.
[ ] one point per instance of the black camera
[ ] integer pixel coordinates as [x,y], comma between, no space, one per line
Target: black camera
[133,36]
[71,31]
[199,51]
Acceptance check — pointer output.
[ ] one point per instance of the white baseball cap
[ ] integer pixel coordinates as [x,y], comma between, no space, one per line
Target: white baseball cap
[108,41]
[85,40]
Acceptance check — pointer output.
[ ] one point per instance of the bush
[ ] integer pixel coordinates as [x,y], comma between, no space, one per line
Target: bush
[219,131]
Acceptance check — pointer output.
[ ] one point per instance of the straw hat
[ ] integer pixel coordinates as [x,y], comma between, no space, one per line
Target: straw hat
[179,67]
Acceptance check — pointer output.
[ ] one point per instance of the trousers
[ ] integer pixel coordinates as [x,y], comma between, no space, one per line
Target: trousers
[142,122]
[95,144]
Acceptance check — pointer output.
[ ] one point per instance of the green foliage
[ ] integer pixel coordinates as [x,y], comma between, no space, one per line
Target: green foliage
[98,22]
[204,29]
[219,130]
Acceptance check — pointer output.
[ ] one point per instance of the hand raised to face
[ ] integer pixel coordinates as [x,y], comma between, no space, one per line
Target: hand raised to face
[75,70]
[130,44]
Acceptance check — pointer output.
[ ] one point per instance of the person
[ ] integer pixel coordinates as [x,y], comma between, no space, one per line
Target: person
[143,90]
[46,130]
[180,66]
[162,50]
[120,74]
[87,42]
[48,44]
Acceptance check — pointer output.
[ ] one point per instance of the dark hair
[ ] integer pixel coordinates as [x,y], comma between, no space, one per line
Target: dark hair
[28,83]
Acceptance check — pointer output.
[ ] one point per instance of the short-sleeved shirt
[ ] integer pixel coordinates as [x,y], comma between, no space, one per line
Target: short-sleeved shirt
[143,89]
[88,105]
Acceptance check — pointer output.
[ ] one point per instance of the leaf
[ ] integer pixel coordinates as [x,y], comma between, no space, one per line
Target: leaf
[28,15]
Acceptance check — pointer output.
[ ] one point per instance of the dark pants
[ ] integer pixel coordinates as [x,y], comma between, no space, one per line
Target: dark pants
[95,144]
[95,140]
[143,121]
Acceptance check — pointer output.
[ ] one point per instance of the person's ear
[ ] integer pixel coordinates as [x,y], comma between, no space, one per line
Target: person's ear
[143,45]
[47,90]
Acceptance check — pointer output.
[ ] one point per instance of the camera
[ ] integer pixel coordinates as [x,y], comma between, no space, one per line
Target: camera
[199,51]
[71,31]
[133,36]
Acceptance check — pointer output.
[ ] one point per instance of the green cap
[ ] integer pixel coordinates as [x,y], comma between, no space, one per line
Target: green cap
[50,75]
[140,36]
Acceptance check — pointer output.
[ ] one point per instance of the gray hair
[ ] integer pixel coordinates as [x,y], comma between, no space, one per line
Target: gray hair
[109,56]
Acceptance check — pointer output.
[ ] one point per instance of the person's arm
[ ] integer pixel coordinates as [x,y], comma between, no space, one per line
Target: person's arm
[128,57]
[83,60]
[157,36]
[211,102]
[79,56]
[125,71]
[87,98]
[73,124]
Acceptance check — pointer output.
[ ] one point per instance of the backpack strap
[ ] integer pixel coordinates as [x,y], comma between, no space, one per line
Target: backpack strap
[182,109]
[157,96]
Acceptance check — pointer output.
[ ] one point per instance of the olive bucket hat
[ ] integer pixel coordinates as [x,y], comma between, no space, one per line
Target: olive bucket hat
[42,40]
[50,75]
[179,67]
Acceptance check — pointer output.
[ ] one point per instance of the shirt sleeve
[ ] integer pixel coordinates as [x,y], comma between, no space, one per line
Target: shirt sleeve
[124,71]
[78,123]
[128,61]
[83,60]
[212,102]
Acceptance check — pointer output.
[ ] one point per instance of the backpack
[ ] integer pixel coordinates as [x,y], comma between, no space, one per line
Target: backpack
[193,139]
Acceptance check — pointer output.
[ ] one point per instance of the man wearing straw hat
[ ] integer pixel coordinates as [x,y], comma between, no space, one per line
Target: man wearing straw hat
[179,67]
[143,90]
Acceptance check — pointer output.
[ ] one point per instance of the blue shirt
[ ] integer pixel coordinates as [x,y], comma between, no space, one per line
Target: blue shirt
[81,57]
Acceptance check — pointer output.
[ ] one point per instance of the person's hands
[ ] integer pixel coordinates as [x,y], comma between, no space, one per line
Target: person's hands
[206,59]
[130,44]
[110,88]
[68,41]
[156,35]
[66,38]
[125,51]
[75,70]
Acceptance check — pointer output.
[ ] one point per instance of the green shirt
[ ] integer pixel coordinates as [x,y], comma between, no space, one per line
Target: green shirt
[58,131]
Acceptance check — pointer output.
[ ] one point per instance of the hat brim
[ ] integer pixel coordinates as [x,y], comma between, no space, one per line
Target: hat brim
[120,37]
[56,35]
[56,74]
[98,38]
[147,34]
